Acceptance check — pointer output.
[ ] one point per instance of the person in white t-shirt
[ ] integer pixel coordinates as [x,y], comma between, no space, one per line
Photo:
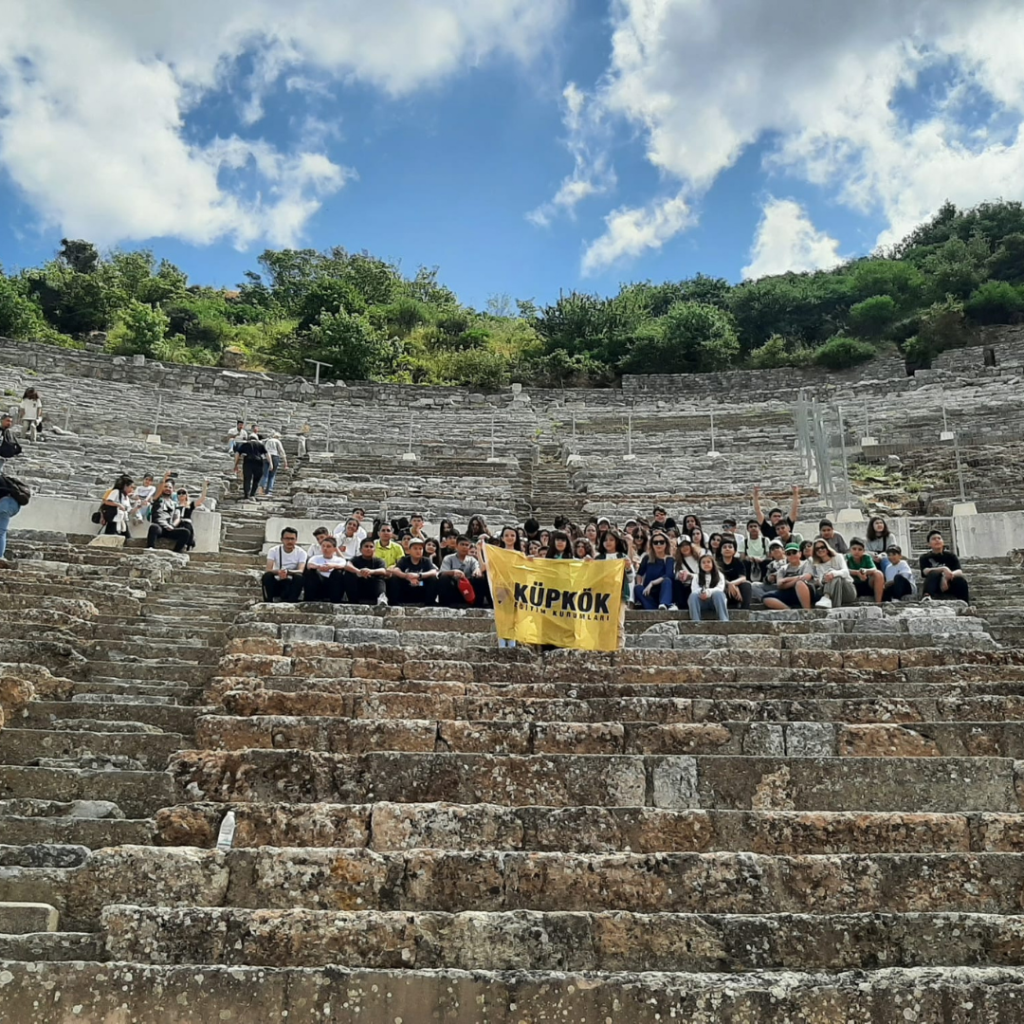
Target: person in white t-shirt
[318,535]
[325,574]
[142,498]
[286,564]
[31,407]
[349,536]
[276,459]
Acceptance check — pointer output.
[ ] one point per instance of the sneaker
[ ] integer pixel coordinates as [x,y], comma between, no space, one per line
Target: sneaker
[383,599]
[662,607]
[823,602]
[673,607]
[927,597]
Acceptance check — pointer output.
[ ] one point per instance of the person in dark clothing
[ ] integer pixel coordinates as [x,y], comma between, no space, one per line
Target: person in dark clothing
[250,458]
[162,517]
[367,585]
[285,565]
[738,590]
[326,576]
[414,579]
[944,580]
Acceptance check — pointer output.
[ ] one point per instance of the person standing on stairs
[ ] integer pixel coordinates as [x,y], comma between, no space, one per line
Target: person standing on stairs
[13,495]
[276,460]
[250,458]
[285,565]
[9,447]
[164,510]
[31,408]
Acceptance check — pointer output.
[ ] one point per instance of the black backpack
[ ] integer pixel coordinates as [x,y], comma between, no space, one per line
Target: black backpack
[8,446]
[14,488]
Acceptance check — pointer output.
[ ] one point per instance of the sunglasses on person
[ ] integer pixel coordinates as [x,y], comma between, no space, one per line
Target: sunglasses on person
[820,547]
[659,543]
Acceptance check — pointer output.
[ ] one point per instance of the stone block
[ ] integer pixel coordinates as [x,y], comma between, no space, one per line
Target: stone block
[810,739]
[675,782]
[27,918]
[306,633]
[764,739]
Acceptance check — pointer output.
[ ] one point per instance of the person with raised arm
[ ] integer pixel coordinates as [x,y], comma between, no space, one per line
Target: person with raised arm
[770,525]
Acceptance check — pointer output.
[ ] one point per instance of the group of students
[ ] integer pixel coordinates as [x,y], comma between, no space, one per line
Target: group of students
[168,511]
[668,566]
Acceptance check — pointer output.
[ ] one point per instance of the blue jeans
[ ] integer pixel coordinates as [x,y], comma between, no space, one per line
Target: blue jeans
[716,600]
[270,473]
[8,508]
[659,595]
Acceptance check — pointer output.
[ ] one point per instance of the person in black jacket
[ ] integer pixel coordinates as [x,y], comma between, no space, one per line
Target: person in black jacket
[251,458]
[9,447]
[944,580]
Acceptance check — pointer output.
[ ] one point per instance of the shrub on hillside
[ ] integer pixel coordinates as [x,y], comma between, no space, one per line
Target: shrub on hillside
[841,353]
[776,352]
[995,302]
[871,317]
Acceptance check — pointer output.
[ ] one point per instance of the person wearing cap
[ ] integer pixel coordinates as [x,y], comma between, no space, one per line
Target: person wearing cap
[944,579]
[836,541]
[414,579]
[899,580]
[793,584]
[276,459]
[833,584]
[868,579]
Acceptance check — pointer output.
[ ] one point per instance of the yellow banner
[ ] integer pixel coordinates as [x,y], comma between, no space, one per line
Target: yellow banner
[553,601]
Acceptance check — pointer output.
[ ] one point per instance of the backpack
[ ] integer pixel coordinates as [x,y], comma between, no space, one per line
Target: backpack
[14,488]
[8,446]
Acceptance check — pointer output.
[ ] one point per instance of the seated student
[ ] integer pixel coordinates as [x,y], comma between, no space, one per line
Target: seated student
[367,578]
[687,566]
[477,528]
[662,520]
[793,583]
[162,517]
[697,540]
[455,569]
[654,577]
[285,565]
[707,590]
[534,549]
[738,591]
[868,579]
[583,550]
[449,544]
[836,541]
[729,525]
[318,535]
[324,579]
[117,505]
[755,551]
[414,579]
[770,525]
[806,550]
[770,574]
[833,584]
[691,522]
[784,532]
[532,530]
[183,512]
[878,539]
[387,549]
[899,580]
[590,533]
[944,579]
[416,526]
[432,551]
[715,545]
[142,497]
[483,590]
[350,537]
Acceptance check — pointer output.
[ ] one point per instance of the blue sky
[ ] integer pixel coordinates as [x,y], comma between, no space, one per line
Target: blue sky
[524,147]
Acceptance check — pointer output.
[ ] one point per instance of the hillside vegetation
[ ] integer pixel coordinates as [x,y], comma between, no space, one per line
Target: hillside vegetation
[367,320]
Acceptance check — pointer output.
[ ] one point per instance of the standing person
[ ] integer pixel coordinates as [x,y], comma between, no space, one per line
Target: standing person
[117,506]
[276,460]
[182,518]
[250,458]
[162,518]
[458,569]
[944,579]
[9,447]
[13,497]
[655,575]
[770,525]
[325,575]
[707,590]
[285,566]
[832,580]
[755,551]
[738,591]
[560,546]
[31,411]
[868,579]
[899,580]
[615,546]
[583,550]
[414,579]
[508,539]
[792,583]
[236,435]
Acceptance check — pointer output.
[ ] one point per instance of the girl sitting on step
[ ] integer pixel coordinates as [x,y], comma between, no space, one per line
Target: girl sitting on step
[707,590]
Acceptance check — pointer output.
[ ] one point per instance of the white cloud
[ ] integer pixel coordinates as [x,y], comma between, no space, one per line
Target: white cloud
[629,232]
[94,102]
[704,79]
[592,173]
[787,240]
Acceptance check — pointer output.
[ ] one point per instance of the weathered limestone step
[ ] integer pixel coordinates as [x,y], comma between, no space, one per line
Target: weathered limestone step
[654,710]
[144,629]
[792,739]
[168,718]
[405,826]
[52,947]
[20,746]
[181,995]
[26,918]
[529,941]
[148,670]
[138,794]
[668,781]
[92,833]
[183,649]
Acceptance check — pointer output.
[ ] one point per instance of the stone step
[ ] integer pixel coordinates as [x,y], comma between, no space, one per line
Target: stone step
[169,691]
[653,710]
[792,739]
[139,794]
[53,947]
[668,781]
[22,746]
[387,826]
[19,917]
[253,993]
[524,940]
[94,833]
[169,718]
[186,649]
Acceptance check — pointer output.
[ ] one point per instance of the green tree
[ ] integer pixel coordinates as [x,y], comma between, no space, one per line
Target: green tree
[841,353]
[80,256]
[691,338]
[1007,262]
[139,329]
[995,302]
[352,347]
[870,318]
